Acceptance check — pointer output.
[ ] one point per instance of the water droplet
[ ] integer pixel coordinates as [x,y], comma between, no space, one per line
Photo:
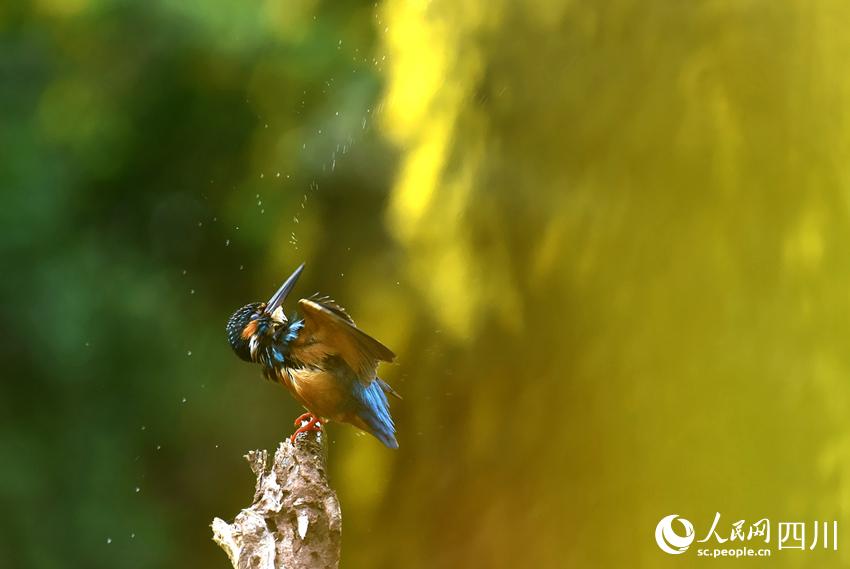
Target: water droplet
[258,196]
[262,211]
[227,242]
[241,267]
[200,224]
[132,536]
[189,353]
[191,291]
[184,272]
[108,540]
[183,400]
[137,489]
[144,427]
[158,447]
[277,175]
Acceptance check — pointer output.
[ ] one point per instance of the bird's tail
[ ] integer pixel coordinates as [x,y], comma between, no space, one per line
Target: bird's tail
[374,413]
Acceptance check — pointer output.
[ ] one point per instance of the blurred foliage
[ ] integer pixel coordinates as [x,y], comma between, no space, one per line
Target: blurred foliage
[605,239]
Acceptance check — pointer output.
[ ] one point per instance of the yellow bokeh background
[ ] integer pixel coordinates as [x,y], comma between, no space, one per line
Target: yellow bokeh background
[628,220]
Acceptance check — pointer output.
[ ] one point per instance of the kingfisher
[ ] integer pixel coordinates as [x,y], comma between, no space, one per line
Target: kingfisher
[327,363]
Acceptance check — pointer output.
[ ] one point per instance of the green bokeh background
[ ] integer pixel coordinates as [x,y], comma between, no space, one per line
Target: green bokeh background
[608,241]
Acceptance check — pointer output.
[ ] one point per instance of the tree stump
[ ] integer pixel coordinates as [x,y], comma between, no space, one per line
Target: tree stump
[294,521]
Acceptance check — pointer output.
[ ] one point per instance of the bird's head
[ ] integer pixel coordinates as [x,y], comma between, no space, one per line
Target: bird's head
[249,324]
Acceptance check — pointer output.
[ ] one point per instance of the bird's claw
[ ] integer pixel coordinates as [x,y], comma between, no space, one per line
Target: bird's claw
[304,417]
[313,424]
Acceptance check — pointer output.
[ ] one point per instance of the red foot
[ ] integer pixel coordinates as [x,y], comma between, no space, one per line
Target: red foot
[312,425]
[304,417]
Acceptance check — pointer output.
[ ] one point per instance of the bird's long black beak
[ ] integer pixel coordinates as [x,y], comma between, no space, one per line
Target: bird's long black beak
[278,297]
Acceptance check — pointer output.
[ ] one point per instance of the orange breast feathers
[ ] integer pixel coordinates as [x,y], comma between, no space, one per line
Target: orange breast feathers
[320,392]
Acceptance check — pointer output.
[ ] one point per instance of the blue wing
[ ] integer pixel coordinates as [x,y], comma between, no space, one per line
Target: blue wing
[374,411]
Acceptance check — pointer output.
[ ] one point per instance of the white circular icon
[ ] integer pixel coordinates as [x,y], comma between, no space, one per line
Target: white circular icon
[668,540]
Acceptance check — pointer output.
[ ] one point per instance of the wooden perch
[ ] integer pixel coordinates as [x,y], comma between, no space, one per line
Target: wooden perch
[295,521]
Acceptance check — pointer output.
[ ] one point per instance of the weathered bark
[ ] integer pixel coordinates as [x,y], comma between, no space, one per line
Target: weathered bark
[295,521]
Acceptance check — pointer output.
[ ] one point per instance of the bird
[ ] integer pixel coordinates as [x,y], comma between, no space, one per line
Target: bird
[324,360]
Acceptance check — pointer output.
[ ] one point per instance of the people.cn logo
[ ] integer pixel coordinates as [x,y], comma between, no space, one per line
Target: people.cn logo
[668,540]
